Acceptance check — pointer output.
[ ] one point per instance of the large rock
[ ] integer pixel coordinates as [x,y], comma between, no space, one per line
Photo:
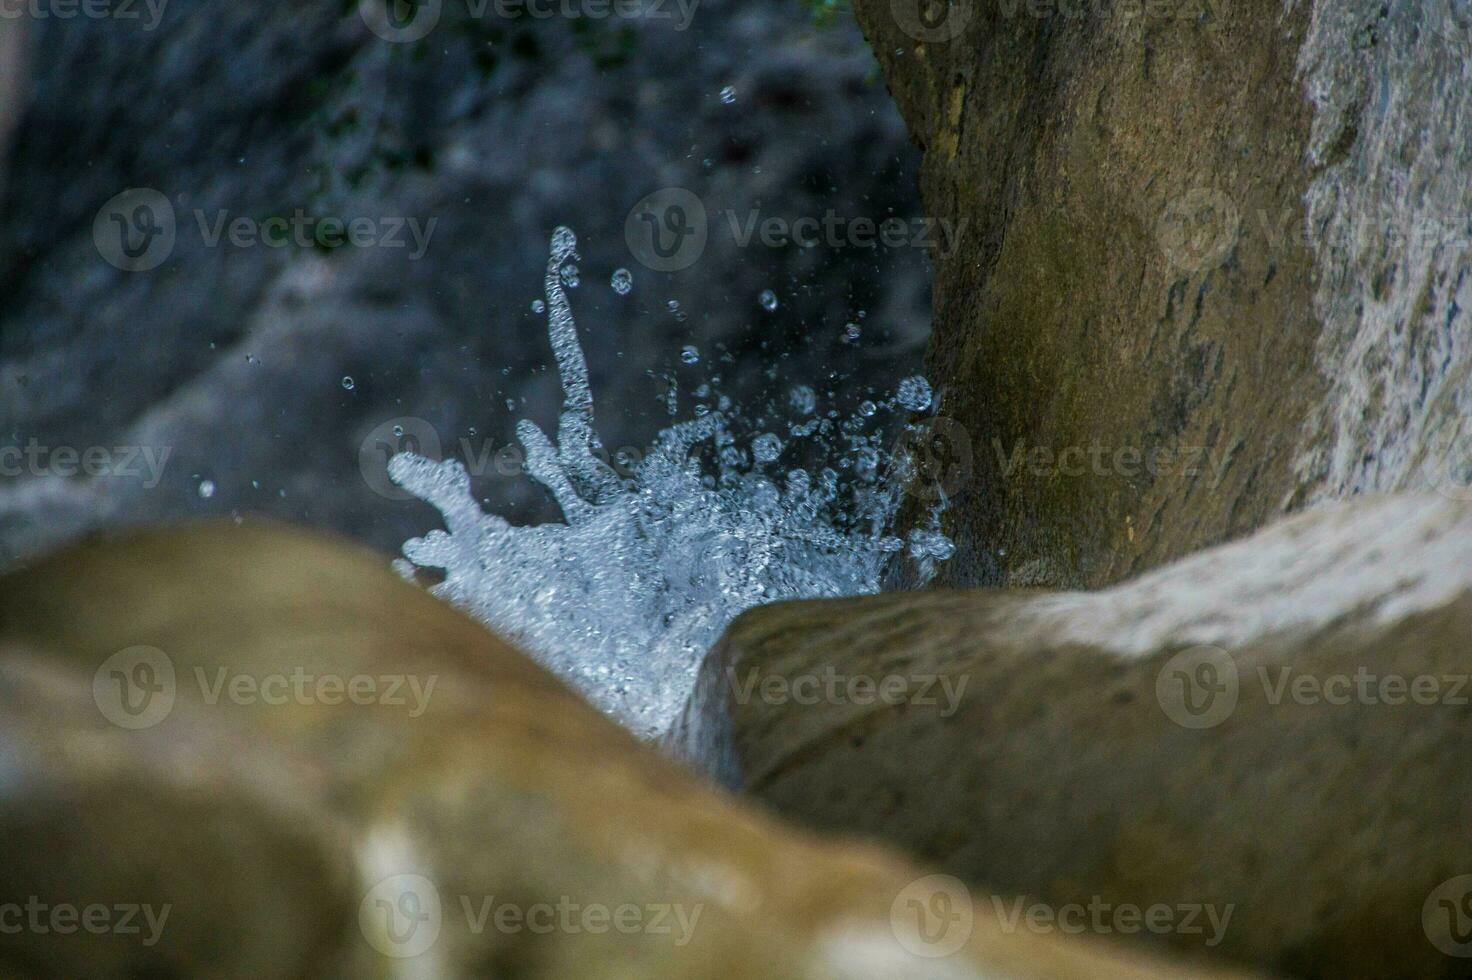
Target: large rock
[298,764]
[1276,729]
[1215,266]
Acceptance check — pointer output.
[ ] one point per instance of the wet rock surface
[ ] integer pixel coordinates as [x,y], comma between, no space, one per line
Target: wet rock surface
[414,797]
[1273,730]
[1215,267]
[223,366]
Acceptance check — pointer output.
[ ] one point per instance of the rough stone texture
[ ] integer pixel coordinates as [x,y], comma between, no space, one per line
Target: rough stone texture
[1068,767]
[1229,236]
[275,829]
[499,129]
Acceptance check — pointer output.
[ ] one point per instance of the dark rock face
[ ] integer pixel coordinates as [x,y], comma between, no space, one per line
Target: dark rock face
[1273,732]
[1214,266]
[230,358]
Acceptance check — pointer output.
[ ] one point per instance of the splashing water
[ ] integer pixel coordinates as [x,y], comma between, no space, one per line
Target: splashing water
[625,598]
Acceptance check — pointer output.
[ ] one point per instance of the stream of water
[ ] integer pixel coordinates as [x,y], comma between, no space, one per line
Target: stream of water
[626,596]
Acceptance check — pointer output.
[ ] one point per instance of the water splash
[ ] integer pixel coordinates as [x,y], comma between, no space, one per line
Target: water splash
[626,596]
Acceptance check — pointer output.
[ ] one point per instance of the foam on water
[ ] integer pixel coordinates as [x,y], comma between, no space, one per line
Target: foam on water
[626,596]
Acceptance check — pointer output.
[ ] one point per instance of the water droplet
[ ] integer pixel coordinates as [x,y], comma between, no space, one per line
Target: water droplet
[538,306]
[867,408]
[768,300]
[511,404]
[399,430]
[690,355]
[570,276]
[766,447]
[206,489]
[348,384]
[622,281]
[648,566]
[914,394]
[851,332]
[728,94]
[803,399]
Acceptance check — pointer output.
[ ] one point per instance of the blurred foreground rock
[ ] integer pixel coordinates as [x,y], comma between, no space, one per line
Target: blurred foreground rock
[298,764]
[1277,729]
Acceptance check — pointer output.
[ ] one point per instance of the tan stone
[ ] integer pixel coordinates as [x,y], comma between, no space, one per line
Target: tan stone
[1209,270]
[1041,744]
[275,825]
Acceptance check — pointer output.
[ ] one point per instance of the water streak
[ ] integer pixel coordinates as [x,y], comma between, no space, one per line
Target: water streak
[626,596]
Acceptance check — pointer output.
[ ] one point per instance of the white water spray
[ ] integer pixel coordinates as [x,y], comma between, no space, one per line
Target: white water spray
[624,599]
